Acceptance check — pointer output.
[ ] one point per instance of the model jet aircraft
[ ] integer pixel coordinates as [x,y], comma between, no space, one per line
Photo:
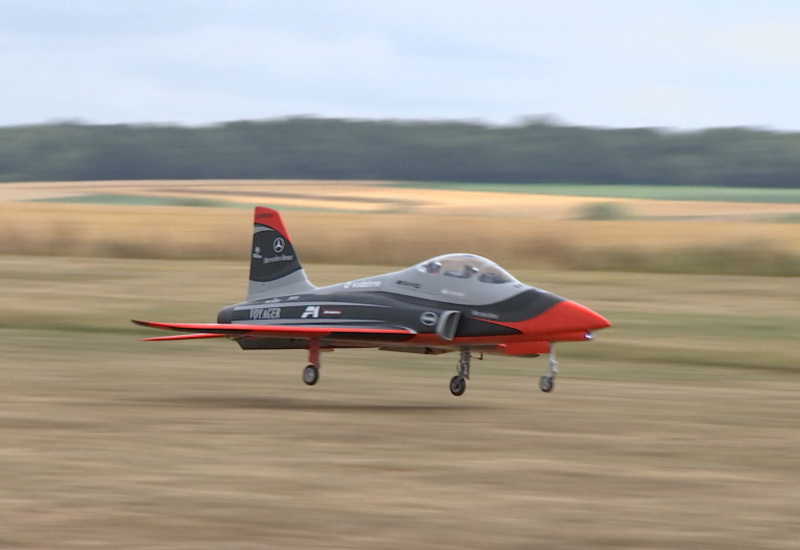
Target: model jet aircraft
[453,303]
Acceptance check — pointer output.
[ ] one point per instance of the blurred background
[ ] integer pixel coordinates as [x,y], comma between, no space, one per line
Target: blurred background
[640,158]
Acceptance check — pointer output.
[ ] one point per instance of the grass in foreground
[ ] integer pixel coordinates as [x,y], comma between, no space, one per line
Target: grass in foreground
[113,442]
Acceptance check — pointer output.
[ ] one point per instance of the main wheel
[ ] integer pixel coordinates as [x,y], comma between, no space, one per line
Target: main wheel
[458,385]
[310,375]
[546,383]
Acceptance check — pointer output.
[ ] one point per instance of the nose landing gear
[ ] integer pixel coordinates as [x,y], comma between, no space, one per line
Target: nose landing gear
[547,381]
[458,384]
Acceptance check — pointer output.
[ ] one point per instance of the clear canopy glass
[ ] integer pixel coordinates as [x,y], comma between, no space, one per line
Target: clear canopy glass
[466,266]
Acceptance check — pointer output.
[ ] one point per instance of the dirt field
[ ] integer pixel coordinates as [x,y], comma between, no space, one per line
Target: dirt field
[677,428]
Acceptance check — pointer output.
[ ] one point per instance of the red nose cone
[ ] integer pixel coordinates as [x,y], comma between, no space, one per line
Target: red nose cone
[565,321]
[579,317]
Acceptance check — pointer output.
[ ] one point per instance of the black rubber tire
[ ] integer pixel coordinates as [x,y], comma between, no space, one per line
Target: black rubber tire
[458,385]
[310,375]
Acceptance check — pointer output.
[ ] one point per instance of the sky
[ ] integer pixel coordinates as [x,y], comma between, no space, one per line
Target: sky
[672,64]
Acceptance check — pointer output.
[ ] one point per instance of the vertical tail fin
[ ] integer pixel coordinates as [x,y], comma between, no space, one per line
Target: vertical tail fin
[275,269]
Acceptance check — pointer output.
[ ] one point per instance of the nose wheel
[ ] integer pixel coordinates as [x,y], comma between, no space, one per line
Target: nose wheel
[458,384]
[547,382]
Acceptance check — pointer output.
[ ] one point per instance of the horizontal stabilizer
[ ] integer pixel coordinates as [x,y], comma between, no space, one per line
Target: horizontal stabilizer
[217,330]
[196,336]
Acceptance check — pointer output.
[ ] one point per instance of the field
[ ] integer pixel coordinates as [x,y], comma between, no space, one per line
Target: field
[652,192]
[678,427]
[377,223]
[547,202]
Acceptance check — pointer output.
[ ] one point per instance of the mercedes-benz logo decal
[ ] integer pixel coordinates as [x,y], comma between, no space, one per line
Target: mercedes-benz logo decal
[428,318]
[278,245]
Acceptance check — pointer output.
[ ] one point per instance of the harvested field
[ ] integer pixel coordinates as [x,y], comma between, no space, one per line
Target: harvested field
[677,428]
[403,239]
[378,197]
[373,222]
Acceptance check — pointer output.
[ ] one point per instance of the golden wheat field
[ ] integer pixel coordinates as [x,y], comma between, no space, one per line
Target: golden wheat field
[358,222]
[384,197]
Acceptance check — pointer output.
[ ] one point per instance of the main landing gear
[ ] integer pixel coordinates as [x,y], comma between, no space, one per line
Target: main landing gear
[311,375]
[547,381]
[311,372]
[458,384]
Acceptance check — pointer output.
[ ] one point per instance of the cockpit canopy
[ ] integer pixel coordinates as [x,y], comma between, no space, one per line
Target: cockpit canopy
[466,266]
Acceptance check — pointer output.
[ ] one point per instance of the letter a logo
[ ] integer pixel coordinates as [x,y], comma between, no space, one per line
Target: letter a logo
[311,311]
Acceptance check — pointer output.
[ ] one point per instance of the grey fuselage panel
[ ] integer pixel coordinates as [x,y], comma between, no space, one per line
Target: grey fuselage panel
[405,299]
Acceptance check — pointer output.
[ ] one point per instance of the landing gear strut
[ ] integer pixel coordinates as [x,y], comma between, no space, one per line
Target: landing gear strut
[458,384]
[547,381]
[311,372]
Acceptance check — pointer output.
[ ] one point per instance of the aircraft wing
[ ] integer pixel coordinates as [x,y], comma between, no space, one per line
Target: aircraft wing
[235,331]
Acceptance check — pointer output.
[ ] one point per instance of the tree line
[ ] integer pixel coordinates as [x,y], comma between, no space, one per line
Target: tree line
[532,151]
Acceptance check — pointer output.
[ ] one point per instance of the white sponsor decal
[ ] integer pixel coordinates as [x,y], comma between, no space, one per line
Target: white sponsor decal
[281,258]
[484,314]
[266,313]
[278,245]
[310,312]
[363,284]
[449,292]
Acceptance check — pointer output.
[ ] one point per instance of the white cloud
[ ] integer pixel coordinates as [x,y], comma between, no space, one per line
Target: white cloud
[663,63]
